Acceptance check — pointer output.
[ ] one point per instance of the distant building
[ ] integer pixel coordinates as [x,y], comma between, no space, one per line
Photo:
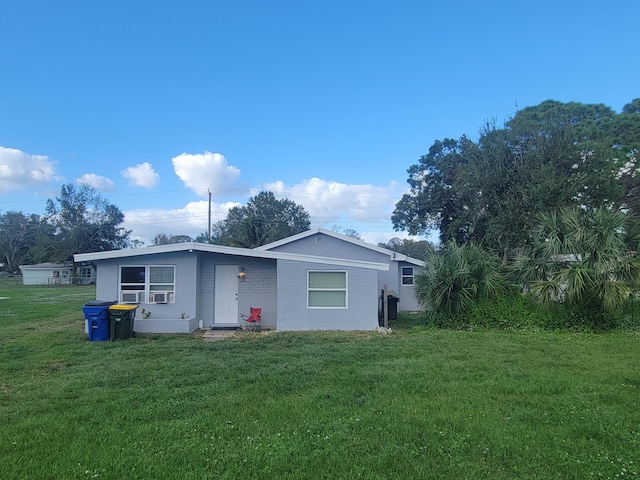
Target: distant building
[46,274]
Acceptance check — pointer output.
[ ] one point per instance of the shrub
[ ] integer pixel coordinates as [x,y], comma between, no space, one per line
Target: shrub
[455,277]
[506,310]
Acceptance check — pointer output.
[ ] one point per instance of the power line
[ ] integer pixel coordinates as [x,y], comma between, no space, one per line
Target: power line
[313,218]
[240,191]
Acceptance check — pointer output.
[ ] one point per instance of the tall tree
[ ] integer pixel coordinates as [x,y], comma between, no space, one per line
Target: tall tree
[431,204]
[489,190]
[42,242]
[164,238]
[19,233]
[625,135]
[347,232]
[412,248]
[263,220]
[85,222]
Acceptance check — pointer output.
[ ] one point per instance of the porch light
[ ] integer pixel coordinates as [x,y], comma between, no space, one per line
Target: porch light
[241,276]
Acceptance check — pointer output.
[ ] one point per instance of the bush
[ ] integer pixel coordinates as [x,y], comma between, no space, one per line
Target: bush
[513,310]
[455,277]
[507,310]
[628,318]
[588,314]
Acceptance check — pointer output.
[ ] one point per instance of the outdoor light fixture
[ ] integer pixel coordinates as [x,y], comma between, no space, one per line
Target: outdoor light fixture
[242,275]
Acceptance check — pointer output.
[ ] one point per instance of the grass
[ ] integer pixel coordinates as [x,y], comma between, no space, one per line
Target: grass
[420,403]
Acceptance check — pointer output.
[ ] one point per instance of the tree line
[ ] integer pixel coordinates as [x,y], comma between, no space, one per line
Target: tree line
[549,201]
[80,220]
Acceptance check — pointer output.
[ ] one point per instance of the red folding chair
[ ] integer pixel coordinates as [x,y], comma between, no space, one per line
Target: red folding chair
[253,322]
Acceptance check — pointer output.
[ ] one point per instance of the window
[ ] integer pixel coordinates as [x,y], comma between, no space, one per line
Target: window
[407,275]
[147,284]
[85,272]
[161,278]
[327,289]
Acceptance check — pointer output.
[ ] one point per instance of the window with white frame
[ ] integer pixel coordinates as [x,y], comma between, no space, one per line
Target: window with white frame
[326,289]
[407,275]
[147,284]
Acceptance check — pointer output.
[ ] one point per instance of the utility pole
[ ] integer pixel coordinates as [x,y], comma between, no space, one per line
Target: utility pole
[209,218]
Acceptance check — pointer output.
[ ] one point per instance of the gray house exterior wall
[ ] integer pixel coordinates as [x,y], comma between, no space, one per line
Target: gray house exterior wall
[195,287]
[257,290]
[275,282]
[162,317]
[362,302]
[406,293]
[324,245]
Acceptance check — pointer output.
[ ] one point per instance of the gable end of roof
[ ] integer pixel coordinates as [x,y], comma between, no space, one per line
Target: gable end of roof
[394,256]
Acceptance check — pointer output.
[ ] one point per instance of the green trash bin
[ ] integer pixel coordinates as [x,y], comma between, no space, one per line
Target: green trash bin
[122,317]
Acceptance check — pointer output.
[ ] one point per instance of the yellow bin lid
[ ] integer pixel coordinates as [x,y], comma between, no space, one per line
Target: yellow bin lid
[119,306]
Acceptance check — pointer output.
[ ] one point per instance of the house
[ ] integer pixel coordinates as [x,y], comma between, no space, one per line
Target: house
[399,278]
[57,274]
[85,274]
[181,286]
[46,274]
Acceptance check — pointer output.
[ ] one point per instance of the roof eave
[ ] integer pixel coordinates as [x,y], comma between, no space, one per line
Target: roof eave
[244,252]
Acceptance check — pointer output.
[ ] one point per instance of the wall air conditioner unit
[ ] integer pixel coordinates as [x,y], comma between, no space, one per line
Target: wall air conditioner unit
[130,297]
[159,297]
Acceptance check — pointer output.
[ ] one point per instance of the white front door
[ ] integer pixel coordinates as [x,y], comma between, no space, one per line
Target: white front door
[226,296]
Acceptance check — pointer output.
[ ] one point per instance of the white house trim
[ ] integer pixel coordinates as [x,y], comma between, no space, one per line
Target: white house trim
[244,252]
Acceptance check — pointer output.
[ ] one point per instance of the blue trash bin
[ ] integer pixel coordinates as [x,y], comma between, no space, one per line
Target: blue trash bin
[98,320]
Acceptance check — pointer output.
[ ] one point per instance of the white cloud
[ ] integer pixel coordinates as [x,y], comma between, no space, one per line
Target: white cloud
[98,182]
[203,171]
[20,170]
[142,175]
[328,201]
[363,207]
[190,220]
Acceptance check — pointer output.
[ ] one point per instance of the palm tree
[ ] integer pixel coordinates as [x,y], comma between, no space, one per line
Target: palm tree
[251,233]
[456,276]
[582,256]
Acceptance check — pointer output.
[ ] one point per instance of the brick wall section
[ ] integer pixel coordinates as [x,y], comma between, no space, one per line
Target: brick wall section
[259,279]
[207,277]
[295,278]
[259,289]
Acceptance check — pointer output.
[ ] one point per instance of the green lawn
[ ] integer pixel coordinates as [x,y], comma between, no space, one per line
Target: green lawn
[420,403]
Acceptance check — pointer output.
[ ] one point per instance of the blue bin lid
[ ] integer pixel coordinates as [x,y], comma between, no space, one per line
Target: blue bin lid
[98,303]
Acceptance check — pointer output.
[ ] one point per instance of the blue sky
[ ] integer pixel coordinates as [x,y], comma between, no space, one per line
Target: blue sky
[326,103]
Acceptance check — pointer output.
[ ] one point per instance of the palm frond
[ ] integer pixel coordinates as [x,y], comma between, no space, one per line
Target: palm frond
[547,291]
